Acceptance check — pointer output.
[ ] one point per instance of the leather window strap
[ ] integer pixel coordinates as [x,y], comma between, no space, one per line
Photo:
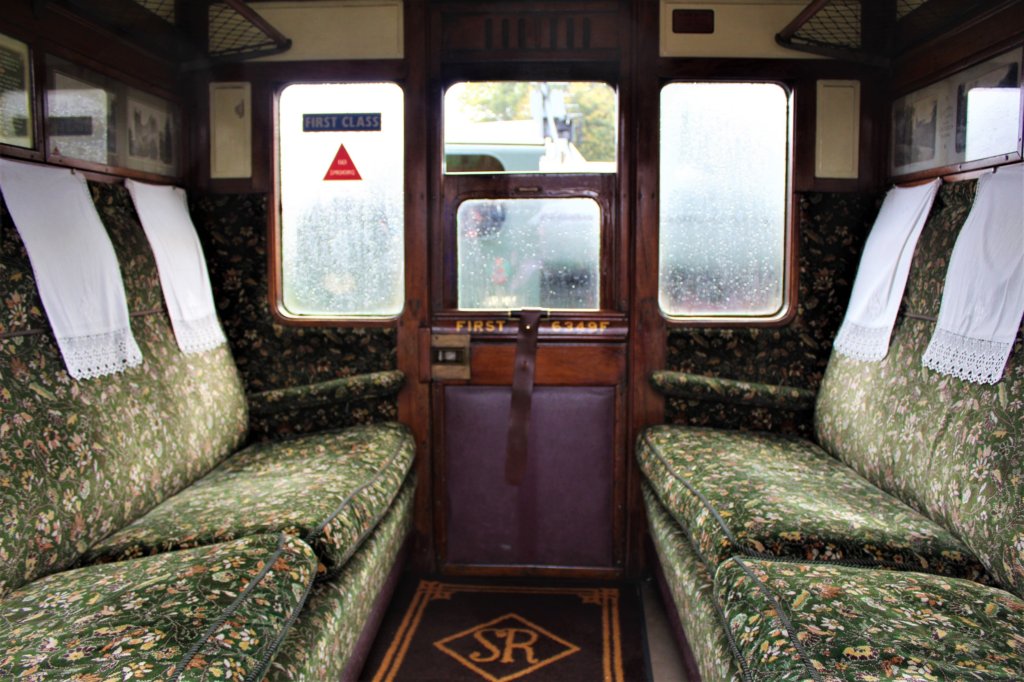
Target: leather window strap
[522,396]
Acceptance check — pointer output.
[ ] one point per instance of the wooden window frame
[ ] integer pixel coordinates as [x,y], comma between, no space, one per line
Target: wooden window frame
[274,252]
[603,188]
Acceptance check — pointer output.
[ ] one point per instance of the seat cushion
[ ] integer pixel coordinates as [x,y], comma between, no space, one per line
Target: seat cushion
[768,495]
[799,621]
[331,489]
[693,594]
[217,612]
[323,642]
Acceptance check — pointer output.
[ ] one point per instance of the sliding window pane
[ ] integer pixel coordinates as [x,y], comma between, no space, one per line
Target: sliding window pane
[724,193]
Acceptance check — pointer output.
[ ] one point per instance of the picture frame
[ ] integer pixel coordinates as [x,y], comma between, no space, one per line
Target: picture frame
[152,135]
[17,125]
[97,122]
[972,115]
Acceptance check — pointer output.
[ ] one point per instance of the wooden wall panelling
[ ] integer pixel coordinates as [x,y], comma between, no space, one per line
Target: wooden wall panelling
[971,42]
[647,326]
[414,400]
[534,31]
[559,366]
[56,30]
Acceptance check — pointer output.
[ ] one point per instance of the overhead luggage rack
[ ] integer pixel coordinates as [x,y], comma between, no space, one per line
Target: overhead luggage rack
[873,32]
[194,35]
[238,32]
[162,8]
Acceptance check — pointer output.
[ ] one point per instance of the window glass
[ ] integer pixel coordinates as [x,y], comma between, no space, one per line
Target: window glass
[342,200]
[529,253]
[723,178]
[530,127]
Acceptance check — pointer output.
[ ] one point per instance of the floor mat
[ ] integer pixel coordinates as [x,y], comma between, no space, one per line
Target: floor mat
[462,631]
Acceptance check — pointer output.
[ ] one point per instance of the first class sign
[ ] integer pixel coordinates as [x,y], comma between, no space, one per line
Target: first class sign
[332,123]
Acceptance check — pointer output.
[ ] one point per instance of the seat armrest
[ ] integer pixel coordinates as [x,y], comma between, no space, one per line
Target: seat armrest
[733,391]
[334,391]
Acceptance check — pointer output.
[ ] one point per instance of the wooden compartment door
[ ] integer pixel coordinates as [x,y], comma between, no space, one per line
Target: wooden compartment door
[567,514]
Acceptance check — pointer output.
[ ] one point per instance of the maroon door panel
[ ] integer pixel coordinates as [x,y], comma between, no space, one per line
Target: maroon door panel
[562,513]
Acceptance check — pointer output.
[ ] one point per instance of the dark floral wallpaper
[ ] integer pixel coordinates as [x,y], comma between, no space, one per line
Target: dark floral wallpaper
[270,355]
[833,228]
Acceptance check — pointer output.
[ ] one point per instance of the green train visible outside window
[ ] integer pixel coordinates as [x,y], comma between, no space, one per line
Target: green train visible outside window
[530,127]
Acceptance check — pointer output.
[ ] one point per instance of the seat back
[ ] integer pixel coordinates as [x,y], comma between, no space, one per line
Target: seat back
[80,459]
[949,448]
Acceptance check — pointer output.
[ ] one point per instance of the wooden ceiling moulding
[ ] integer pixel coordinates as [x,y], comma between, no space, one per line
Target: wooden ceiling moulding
[532,31]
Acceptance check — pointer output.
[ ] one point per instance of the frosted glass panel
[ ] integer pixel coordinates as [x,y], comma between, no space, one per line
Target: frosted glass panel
[342,200]
[724,168]
[529,253]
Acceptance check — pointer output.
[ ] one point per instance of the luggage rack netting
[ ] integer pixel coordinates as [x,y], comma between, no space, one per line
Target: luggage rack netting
[234,35]
[162,8]
[837,28]
[837,24]
[905,7]
[234,30]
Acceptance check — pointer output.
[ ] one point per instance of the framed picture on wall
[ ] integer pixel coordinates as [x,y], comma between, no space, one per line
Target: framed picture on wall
[103,123]
[972,115]
[914,131]
[152,135]
[16,126]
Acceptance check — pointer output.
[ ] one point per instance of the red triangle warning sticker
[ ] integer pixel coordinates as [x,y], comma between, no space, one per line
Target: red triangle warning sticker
[342,167]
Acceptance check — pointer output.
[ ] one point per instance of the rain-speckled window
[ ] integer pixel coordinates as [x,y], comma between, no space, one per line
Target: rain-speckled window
[342,218]
[529,253]
[723,220]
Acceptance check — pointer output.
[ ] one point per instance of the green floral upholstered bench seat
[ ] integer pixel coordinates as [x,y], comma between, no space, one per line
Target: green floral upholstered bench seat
[143,539]
[218,612]
[691,593]
[330,489]
[891,548]
[321,643]
[800,621]
[766,495]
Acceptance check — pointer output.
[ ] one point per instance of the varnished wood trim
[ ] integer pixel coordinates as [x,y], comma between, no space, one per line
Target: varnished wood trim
[439,461]
[973,41]
[528,571]
[414,404]
[557,365]
[647,326]
[965,171]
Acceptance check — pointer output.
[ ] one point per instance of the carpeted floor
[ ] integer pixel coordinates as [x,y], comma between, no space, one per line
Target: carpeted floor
[467,631]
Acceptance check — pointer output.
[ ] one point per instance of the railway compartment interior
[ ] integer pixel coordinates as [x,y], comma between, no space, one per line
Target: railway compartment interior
[381,194]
